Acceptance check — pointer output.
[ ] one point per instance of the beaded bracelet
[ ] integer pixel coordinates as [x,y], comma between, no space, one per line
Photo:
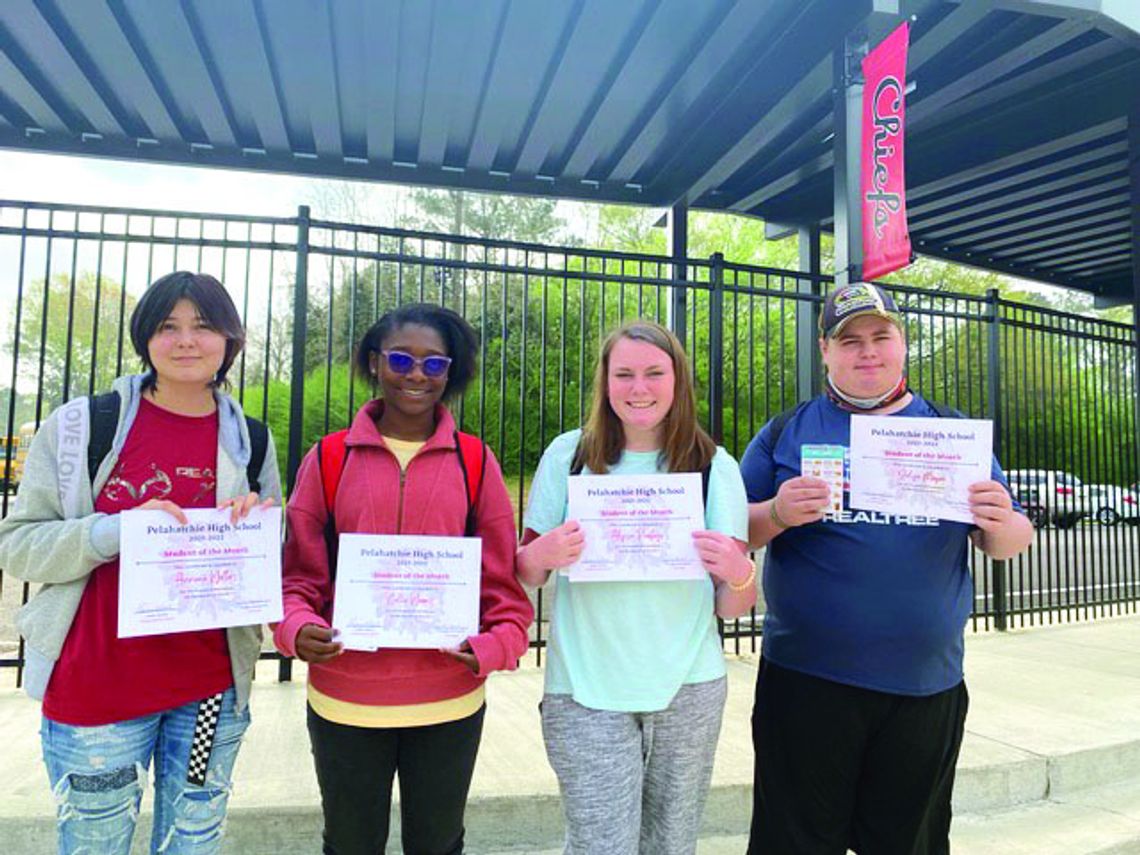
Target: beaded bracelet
[741,587]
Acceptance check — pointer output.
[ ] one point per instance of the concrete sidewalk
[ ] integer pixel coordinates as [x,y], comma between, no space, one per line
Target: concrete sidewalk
[1052,749]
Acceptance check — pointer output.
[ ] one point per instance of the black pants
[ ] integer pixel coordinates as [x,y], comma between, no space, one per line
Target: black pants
[355,768]
[838,767]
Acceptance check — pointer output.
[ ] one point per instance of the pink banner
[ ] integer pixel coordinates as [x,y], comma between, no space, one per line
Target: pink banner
[886,242]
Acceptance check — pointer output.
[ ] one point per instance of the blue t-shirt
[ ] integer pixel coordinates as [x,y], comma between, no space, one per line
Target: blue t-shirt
[629,646]
[862,598]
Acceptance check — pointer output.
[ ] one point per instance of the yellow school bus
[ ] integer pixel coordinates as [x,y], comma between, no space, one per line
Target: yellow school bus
[13,453]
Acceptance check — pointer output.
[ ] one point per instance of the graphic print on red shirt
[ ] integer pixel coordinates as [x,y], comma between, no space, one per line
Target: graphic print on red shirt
[101,678]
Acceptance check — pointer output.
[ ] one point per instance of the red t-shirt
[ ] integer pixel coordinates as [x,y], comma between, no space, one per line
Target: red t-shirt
[101,678]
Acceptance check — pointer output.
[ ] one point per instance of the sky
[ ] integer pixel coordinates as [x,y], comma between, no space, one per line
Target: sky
[26,176]
[34,177]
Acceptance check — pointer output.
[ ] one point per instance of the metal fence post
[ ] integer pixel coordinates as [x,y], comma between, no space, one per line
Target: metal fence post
[993,376]
[297,376]
[716,346]
[677,240]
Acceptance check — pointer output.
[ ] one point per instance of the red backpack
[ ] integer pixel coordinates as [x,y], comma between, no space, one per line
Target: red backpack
[332,453]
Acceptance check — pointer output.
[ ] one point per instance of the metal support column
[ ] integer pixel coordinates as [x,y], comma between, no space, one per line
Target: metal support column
[847,104]
[716,347]
[677,247]
[997,568]
[297,386]
[848,113]
[1134,185]
[809,366]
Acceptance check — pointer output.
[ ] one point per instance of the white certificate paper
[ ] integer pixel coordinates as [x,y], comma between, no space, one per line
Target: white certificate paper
[921,466]
[637,527]
[409,591]
[207,574]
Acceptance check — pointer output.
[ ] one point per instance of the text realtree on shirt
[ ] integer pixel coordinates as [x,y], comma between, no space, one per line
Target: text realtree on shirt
[101,678]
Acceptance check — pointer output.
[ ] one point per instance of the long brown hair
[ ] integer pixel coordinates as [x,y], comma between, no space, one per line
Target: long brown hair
[685,446]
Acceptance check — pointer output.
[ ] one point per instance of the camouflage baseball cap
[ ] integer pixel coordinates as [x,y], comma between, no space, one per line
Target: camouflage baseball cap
[852,301]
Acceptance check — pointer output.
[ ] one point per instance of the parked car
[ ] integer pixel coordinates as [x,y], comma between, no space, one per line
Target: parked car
[1108,504]
[1048,496]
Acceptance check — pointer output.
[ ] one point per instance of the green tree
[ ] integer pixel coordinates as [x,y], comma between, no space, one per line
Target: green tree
[78,343]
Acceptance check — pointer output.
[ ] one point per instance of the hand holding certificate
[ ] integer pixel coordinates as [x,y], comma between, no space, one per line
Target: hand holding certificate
[637,527]
[919,465]
[207,574]
[406,591]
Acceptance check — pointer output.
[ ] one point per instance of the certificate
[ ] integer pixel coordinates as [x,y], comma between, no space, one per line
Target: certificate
[637,527]
[407,591]
[921,466]
[207,574]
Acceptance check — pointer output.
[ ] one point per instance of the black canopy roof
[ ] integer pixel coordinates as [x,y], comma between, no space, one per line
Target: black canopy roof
[1019,127]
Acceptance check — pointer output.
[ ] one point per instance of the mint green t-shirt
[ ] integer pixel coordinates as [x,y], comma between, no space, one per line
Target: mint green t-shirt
[629,646]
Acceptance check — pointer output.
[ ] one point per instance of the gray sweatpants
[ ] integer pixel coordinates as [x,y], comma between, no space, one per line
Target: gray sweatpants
[634,782]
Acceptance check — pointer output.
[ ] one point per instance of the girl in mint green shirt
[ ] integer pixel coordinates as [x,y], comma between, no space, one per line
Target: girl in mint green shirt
[635,675]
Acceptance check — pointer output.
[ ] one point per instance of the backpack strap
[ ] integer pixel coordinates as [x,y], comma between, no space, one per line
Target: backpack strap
[578,461]
[103,417]
[780,421]
[472,453]
[331,455]
[258,445]
[945,411]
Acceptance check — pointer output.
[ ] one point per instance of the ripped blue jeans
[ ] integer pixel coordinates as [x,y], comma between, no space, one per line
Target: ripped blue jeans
[98,773]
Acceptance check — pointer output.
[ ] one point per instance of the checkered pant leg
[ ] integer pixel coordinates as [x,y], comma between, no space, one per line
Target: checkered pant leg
[205,726]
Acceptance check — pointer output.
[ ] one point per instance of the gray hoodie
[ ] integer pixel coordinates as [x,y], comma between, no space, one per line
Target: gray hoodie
[54,536]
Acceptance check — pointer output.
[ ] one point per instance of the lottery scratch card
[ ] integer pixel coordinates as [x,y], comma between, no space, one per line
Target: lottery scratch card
[826,462]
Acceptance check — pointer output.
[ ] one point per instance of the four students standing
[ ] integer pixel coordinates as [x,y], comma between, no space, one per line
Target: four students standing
[635,681]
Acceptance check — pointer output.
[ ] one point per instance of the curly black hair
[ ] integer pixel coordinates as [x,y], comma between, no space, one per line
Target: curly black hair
[458,336]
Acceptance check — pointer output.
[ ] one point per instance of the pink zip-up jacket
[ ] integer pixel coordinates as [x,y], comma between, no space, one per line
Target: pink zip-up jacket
[430,498]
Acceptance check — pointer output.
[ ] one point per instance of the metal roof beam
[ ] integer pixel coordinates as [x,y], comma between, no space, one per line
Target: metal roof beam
[1044,75]
[924,49]
[1113,150]
[1014,235]
[784,55]
[927,108]
[1061,237]
[1072,245]
[986,166]
[1114,176]
[810,89]
[710,68]
[1134,266]
[995,265]
[1054,209]
[1118,18]
[598,51]
[1083,252]
[62,115]
[1120,259]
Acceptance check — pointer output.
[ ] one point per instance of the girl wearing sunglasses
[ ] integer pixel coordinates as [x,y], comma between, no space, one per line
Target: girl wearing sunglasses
[417,714]
[635,679]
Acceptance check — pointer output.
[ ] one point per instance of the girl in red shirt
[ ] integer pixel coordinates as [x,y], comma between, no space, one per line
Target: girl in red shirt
[113,705]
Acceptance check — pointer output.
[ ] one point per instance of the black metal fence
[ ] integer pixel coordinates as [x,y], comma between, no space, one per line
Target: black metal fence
[1060,387]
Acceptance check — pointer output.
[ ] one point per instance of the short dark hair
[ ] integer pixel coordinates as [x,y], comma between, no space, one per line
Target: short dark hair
[461,341]
[214,306]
